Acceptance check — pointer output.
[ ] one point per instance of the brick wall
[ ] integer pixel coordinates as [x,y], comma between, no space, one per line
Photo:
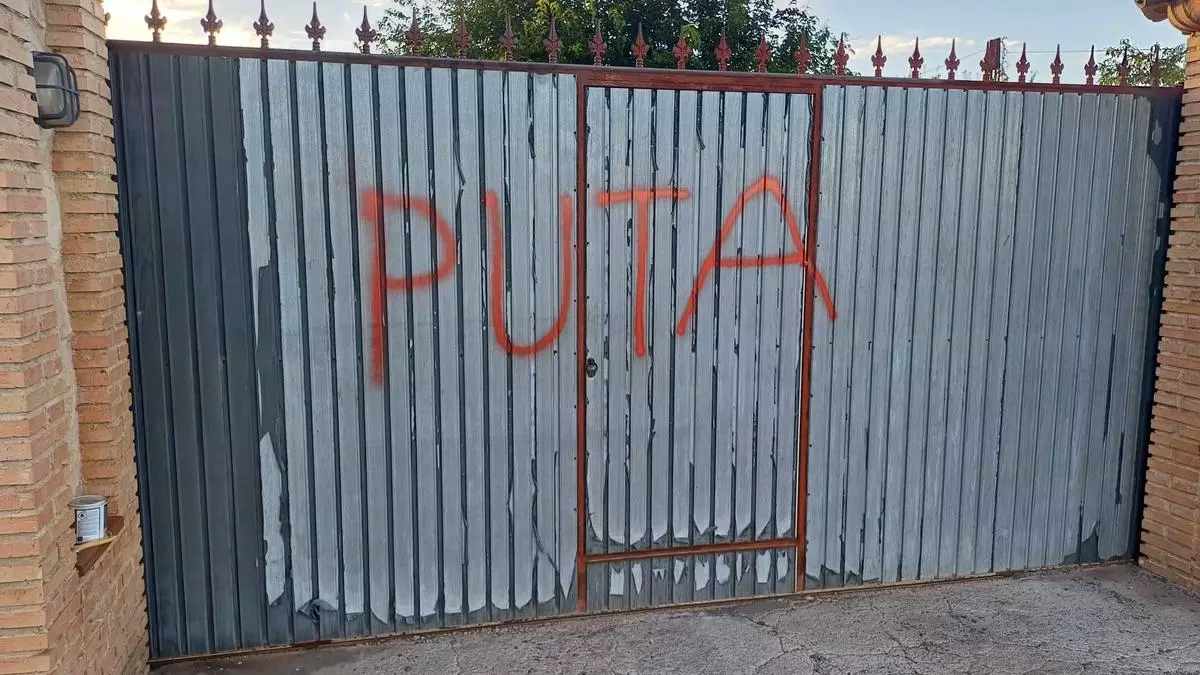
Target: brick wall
[65,421]
[1171,520]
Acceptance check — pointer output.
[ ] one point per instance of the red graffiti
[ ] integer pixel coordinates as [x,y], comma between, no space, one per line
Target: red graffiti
[767,185]
[374,205]
[641,198]
[496,280]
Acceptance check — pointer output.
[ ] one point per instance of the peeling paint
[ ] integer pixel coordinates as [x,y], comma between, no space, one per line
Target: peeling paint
[273,525]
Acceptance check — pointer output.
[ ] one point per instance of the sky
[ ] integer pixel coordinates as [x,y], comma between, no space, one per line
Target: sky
[1044,24]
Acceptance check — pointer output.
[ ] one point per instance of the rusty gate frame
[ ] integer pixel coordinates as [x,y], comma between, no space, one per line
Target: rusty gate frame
[599,78]
[591,76]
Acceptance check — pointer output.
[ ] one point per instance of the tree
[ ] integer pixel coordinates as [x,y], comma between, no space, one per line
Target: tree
[662,22]
[1171,64]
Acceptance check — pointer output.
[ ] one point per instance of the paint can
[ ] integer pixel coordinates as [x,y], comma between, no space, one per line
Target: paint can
[91,517]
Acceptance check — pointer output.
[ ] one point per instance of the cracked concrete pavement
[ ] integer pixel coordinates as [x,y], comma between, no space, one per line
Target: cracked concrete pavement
[1099,619]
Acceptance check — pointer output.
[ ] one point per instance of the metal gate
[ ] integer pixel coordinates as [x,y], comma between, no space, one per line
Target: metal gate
[424,343]
[696,227]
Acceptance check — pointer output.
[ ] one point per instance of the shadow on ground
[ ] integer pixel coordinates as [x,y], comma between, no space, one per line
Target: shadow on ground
[1100,619]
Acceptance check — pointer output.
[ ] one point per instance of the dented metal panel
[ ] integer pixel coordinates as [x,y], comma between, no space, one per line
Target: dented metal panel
[979,404]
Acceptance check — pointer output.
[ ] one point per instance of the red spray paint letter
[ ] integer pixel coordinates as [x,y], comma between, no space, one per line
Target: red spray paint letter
[641,198]
[767,185]
[373,205]
[496,280]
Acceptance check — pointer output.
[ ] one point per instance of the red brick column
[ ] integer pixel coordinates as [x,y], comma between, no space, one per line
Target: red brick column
[65,421]
[1171,519]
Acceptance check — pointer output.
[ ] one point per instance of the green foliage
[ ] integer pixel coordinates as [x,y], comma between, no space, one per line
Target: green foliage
[661,21]
[1171,68]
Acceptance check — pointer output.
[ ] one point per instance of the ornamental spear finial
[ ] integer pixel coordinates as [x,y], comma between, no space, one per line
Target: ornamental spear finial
[597,47]
[263,27]
[1057,66]
[156,22]
[462,38]
[879,60]
[1023,64]
[916,61]
[552,43]
[682,52]
[723,53]
[211,24]
[1156,67]
[952,63]
[762,55]
[1123,69]
[508,39]
[1091,67]
[413,37]
[802,55]
[366,34]
[315,31]
[840,58]
[640,48]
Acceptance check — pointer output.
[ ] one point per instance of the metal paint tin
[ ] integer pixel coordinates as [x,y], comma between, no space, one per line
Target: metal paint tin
[91,513]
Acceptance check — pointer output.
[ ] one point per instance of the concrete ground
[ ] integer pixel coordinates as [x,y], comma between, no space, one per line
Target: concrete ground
[1099,619]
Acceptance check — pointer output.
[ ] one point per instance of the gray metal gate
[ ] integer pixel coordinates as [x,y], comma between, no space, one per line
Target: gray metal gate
[423,343]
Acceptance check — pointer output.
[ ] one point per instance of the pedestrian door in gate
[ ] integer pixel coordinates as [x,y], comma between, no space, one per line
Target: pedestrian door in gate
[695,279]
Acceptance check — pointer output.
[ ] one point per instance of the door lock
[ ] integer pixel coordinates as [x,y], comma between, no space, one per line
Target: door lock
[591,367]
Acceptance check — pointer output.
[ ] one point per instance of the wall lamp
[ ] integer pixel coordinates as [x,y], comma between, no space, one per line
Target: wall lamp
[1183,14]
[57,90]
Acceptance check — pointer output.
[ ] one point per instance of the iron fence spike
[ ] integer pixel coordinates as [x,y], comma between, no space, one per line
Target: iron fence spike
[723,53]
[211,24]
[1156,67]
[682,52]
[762,55]
[952,62]
[1123,68]
[802,55]
[552,43]
[916,61]
[314,30]
[841,57]
[879,60]
[597,47]
[508,39]
[1057,66]
[462,37]
[156,22]
[414,39]
[263,27]
[640,48]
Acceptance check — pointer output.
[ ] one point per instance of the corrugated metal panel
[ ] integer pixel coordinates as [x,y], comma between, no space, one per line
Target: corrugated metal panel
[183,231]
[692,437]
[292,495]
[980,402]
[432,494]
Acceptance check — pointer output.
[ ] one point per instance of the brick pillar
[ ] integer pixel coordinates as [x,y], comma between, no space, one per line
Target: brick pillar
[1171,519]
[65,421]
[33,407]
